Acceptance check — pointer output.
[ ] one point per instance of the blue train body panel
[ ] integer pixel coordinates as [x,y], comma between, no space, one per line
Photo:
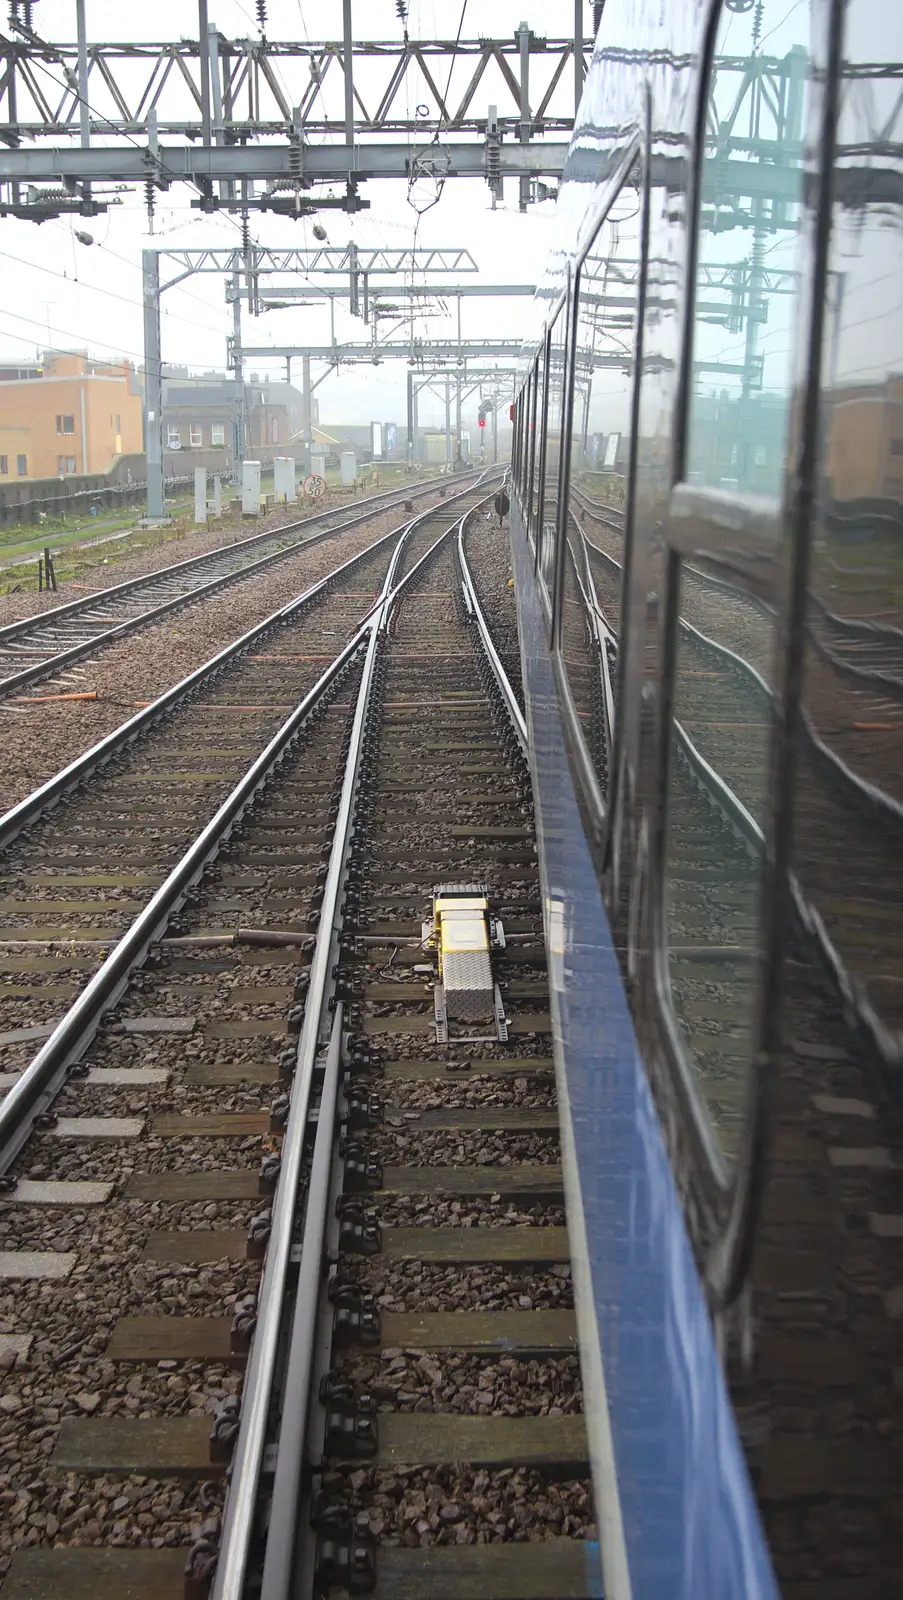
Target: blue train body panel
[677,1516]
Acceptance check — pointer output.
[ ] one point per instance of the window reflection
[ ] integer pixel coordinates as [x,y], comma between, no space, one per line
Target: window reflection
[605,307]
[538,443]
[587,656]
[737,439]
[605,299]
[554,420]
[746,276]
[849,837]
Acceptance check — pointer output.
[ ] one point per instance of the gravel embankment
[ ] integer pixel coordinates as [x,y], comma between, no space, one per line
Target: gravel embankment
[489,555]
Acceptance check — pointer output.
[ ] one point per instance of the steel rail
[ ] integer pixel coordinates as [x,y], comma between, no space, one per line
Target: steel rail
[11,630]
[40,800]
[282,1522]
[475,614]
[605,639]
[77,652]
[42,1079]
[240,1512]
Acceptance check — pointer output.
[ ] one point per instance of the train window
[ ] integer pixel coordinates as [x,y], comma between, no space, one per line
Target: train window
[523,459]
[536,455]
[746,269]
[724,526]
[605,346]
[848,834]
[556,347]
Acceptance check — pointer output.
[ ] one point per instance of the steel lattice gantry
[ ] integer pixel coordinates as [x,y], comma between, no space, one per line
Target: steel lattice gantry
[243,268]
[260,124]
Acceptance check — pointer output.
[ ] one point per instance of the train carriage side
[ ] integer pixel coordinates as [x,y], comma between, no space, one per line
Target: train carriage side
[706,522]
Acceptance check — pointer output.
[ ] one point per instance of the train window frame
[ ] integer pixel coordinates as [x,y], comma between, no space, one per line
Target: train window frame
[733,1190]
[562,308]
[597,809]
[524,404]
[537,501]
[531,485]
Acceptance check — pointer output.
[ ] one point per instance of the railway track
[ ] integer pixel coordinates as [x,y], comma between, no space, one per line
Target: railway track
[78,871]
[270,1084]
[49,643]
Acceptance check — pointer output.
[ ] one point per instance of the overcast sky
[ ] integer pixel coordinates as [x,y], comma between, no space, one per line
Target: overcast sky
[58,291]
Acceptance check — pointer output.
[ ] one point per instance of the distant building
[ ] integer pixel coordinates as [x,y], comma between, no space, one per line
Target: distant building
[67,415]
[358,436]
[200,422]
[199,415]
[864,425]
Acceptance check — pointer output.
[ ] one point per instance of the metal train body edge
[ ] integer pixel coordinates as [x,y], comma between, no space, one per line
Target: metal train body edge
[707,515]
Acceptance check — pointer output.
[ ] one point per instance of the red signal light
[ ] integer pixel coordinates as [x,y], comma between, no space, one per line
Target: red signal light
[482,422]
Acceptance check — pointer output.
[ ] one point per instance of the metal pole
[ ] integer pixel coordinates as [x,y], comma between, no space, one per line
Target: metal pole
[409,449]
[306,411]
[353,281]
[204,67]
[578,55]
[523,37]
[459,454]
[447,423]
[239,442]
[227,187]
[348,48]
[414,410]
[200,497]
[84,114]
[495,430]
[153,385]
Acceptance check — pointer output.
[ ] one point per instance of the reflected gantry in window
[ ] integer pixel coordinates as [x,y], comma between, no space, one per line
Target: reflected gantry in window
[739,425]
[605,299]
[554,420]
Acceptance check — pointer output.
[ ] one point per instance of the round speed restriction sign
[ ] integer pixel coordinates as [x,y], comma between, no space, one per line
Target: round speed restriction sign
[315,486]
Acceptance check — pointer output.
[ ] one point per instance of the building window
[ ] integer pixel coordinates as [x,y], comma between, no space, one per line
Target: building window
[65,464]
[22,466]
[4,466]
[196,436]
[174,438]
[65,424]
[274,430]
[893,487]
[218,433]
[896,447]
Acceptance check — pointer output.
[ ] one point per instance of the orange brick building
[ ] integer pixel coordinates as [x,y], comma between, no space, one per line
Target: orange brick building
[69,415]
[865,440]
